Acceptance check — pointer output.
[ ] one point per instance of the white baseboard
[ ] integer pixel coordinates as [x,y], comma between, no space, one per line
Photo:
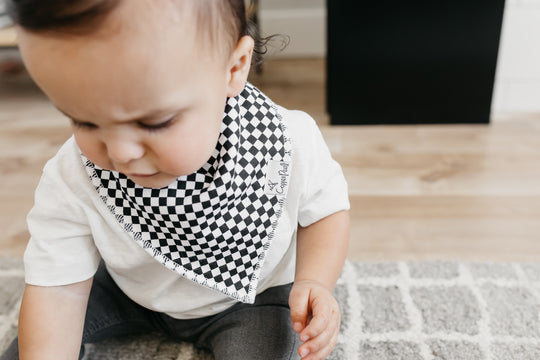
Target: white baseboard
[306,29]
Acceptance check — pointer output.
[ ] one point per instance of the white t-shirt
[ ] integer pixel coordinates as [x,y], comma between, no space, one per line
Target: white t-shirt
[71,229]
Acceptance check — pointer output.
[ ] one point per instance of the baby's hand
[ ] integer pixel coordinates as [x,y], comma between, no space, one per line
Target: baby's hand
[315,315]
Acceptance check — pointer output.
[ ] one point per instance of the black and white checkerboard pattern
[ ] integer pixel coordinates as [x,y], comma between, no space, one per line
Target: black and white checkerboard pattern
[213,226]
[390,311]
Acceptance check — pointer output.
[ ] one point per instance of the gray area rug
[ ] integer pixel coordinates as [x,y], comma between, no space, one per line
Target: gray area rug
[391,311]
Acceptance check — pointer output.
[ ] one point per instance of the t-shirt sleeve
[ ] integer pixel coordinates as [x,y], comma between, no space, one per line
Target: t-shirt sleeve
[61,249]
[324,188]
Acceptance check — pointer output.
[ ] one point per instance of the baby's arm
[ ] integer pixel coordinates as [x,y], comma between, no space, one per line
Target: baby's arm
[321,252]
[51,321]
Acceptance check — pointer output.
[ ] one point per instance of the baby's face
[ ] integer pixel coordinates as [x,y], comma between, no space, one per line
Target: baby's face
[145,98]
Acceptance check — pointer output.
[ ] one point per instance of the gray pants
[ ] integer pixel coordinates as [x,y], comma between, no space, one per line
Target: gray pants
[259,331]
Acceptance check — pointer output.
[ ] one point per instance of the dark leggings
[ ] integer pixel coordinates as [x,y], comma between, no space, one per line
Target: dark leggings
[259,331]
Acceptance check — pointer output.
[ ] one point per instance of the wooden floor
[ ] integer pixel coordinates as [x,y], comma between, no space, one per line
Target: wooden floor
[417,192]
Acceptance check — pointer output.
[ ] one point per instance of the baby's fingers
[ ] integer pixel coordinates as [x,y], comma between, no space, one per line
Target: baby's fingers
[322,314]
[299,304]
[322,352]
[320,346]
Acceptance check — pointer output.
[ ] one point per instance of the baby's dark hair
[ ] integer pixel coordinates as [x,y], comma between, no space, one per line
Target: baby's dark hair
[83,17]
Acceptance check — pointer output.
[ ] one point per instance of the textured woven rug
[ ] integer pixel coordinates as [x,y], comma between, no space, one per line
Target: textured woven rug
[391,311]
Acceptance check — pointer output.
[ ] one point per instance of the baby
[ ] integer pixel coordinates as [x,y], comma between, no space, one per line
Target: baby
[186,201]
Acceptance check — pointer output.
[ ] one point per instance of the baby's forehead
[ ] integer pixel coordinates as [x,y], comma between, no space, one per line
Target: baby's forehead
[214,24]
[202,21]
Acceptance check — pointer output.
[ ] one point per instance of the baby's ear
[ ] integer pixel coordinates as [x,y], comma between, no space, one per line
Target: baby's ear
[238,69]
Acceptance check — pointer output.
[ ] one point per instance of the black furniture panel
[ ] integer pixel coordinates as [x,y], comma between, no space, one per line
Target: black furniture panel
[411,62]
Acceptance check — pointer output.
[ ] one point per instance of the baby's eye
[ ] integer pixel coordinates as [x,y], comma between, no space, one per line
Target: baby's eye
[156,127]
[83,125]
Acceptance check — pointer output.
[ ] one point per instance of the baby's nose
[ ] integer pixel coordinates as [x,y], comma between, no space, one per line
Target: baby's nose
[124,151]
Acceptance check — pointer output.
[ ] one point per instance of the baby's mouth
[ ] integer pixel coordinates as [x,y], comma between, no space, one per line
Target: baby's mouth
[142,175]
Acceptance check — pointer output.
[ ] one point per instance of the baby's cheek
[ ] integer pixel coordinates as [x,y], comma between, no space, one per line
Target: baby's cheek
[94,150]
[186,148]
[172,158]
[185,165]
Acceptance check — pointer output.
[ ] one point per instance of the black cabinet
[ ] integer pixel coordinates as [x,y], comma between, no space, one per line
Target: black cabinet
[411,62]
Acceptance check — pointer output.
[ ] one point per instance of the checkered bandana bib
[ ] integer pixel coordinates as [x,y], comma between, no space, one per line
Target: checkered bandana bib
[213,227]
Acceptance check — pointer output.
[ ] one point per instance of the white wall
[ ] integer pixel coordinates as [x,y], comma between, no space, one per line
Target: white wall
[304,21]
[517,83]
[4,21]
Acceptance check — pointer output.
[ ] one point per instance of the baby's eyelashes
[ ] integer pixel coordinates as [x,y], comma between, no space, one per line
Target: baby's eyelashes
[148,127]
[82,125]
[156,127]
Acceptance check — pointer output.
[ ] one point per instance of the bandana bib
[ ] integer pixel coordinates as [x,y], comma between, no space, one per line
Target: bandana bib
[213,227]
